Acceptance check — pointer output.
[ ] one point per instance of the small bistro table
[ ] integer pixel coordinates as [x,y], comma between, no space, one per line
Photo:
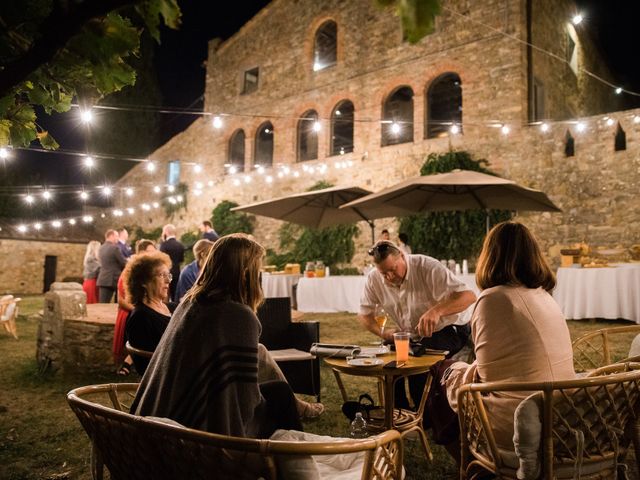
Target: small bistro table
[405,421]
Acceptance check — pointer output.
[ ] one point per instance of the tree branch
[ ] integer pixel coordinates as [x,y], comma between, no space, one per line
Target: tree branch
[56,30]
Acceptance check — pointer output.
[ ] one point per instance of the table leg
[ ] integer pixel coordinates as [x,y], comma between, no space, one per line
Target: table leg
[389,400]
[340,385]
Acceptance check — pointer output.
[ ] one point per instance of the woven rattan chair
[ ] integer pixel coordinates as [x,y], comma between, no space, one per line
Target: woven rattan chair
[134,447]
[596,349]
[9,313]
[587,426]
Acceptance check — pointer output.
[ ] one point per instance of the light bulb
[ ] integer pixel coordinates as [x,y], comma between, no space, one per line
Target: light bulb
[86,116]
[197,168]
[4,153]
[455,129]
[317,126]
[544,127]
[46,195]
[217,122]
[22,228]
[72,221]
[29,199]
[505,129]
[151,167]
[89,162]
[129,191]
[395,128]
[577,19]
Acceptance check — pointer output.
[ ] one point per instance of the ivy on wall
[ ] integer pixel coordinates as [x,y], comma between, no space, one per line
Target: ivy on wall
[169,202]
[446,235]
[225,221]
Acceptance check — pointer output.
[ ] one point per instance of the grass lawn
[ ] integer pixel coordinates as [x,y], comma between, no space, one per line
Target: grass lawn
[40,438]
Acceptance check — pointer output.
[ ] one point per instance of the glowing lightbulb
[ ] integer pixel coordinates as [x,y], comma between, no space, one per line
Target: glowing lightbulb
[107,191]
[56,224]
[217,122]
[22,228]
[151,167]
[86,116]
[455,129]
[156,189]
[577,19]
[46,195]
[505,129]
[29,199]
[72,221]
[610,122]
[580,127]
[197,168]
[317,126]
[89,162]
[395,128]
[544,127]
[4,153]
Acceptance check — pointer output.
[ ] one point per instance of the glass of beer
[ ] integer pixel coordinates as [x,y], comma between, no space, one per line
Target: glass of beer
[381,318]
[401,341]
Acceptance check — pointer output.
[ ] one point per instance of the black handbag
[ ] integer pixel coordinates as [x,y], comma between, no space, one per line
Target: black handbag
[364,405]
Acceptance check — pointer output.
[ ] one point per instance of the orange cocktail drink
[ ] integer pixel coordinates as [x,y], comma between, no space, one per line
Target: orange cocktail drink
[401,341]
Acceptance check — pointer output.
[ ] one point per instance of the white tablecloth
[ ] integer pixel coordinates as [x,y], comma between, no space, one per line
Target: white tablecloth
[278,285]
[599,292]
[340,293]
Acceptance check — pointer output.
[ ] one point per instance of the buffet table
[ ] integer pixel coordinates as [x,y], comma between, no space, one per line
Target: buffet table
[278,285]
[610,293]
[340,293]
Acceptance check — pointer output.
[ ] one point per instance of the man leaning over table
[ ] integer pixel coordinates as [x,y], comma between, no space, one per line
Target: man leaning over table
[422,297]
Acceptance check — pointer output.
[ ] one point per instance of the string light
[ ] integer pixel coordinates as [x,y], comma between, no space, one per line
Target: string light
[544,127]
[86,116]
[84,196]
[217,122]
[618,91]
[505,129]
[395,128]
[106,191]
[128,191]
[317,126]
[46,195]
[197,168]
[29,199]
[4,153]
[455,129]
[56,224]
[89,162]
[580,127]
[151,167]
[610,122]
[72,221]
[577,19]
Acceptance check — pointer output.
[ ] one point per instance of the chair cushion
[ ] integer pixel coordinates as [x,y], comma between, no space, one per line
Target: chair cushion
[346,466]
[527,433]
[290,355]
[8,313]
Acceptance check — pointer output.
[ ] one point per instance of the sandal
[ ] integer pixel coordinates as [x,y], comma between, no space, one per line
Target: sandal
[311,410]
[125,369]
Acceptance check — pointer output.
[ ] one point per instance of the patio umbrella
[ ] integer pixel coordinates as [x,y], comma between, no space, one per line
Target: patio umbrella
[453,191]
[317,208]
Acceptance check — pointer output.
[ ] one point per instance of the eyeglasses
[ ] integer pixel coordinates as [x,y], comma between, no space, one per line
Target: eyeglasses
[167,276]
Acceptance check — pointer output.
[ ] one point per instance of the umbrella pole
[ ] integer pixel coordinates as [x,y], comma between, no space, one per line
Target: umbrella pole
[373,231]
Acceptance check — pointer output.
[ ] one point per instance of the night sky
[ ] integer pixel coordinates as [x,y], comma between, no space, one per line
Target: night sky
[179,66]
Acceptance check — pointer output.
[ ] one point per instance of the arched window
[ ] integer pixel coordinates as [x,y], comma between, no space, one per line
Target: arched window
[397,117]
[620,139]
[264,145]
[236,150]
[325,48]
[308,127]
[444,105]
[342,128]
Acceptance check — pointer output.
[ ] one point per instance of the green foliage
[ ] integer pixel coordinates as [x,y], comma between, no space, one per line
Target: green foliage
[188,240]
[418,17]
[225,221]
[89,64]
[448,235]
[138,233]
[173,202]
[298,244]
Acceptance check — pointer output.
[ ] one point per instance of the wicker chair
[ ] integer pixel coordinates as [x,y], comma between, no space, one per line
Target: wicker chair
[587,426]
[594,349]
[9,313]
[134,447]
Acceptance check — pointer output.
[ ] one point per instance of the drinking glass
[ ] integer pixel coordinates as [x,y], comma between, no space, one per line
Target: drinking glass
[381,318]
[401,341]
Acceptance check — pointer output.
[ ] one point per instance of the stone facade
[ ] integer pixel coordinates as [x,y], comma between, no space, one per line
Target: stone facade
[595,188]
[23,263]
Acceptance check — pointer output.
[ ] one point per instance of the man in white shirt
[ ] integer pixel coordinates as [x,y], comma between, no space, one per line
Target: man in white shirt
[422,297]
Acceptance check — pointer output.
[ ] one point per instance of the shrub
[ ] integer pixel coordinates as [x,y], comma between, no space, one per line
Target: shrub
[225,221]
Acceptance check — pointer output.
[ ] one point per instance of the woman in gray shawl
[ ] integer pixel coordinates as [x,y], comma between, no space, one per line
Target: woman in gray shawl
[204,373]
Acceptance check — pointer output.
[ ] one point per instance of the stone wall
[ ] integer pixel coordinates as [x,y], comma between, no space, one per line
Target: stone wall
[595,188]
[23,263]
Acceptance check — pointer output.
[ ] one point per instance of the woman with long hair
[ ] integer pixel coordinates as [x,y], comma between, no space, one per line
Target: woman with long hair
[90,270]
[204,372]
[519,331]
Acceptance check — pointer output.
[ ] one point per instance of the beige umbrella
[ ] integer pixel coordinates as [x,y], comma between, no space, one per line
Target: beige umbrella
[453,191]
[317,208]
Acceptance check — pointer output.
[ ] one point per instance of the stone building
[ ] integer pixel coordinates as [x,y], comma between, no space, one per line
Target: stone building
[329,90]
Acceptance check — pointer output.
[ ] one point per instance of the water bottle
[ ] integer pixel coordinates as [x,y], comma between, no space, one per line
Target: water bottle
[359,427]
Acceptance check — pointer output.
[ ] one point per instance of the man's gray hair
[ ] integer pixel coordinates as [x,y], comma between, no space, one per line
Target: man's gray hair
[382,249]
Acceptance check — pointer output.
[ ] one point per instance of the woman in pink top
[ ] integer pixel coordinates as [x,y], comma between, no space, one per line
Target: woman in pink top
[519,332]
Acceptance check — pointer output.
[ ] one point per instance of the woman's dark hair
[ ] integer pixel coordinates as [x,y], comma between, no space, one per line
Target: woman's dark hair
[143,244]
[139,270]
[404,238]
[511,256]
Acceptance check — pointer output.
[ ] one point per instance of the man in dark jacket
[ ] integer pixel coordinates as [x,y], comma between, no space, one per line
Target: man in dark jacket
[172,247]
[111,264]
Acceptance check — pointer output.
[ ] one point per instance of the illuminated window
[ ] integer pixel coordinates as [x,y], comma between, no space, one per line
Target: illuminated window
[342,128]
[264,145]
[325,51]
[173,172]
[251,80]
[308,136]
[397,117]
[444,105]
[236,150]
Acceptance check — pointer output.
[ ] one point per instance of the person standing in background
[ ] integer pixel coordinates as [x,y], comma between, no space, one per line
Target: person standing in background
[90,270]
[403,243]
[172,247]
[189,274]
[123,236]
[208,232]
[384,235]
[111,264]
